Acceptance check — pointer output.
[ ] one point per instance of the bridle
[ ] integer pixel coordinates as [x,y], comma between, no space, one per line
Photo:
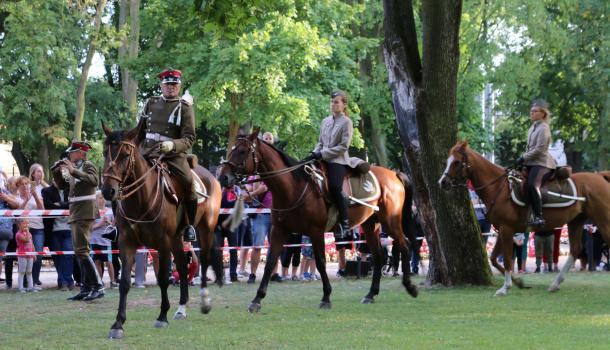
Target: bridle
[241,174]
[138,183]
[465,172]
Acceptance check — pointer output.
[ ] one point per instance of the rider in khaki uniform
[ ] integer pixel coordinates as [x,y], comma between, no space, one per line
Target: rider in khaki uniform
[170,130]
[81,177]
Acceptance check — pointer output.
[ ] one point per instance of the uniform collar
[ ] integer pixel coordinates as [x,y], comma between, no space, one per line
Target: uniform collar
[170,99]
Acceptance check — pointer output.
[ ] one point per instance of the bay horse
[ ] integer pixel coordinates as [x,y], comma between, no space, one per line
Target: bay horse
[491,184]
[299,207]
[146,216]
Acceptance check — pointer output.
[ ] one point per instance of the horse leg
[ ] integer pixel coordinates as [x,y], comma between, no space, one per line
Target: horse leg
[507,252]
[127,256]
[518,281]
[277,239]
[180,261]
[319,253]
[163,282]
[394,226]
[575,236]
[372,239]
[208,253]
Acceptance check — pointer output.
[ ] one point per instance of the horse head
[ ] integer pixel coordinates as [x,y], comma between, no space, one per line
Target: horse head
[457,170]
[243,160]
[120,152]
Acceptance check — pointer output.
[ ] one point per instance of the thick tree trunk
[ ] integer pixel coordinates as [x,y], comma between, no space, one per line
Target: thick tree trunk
[424,97]
[82,83]
[23,163]
[129,11]
[603,157]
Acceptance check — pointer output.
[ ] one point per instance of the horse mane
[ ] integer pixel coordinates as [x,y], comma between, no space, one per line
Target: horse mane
[299,173]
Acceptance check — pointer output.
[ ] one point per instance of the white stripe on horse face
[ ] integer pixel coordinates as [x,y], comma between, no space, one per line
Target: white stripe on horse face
[449,161]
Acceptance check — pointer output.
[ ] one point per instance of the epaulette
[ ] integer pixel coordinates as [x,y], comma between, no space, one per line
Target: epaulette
[186,102]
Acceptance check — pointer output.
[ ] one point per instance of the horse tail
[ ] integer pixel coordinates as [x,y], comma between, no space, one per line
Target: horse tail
[408,218]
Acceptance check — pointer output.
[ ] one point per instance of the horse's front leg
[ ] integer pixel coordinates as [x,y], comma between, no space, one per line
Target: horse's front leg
[180,261]
[127,257]
[163,282]
[277,238]
[319,252]
[575,236]
[507,252]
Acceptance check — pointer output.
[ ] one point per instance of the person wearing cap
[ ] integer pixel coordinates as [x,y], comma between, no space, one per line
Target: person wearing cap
[537,159]
[80,176]
[335,138]
[170,130]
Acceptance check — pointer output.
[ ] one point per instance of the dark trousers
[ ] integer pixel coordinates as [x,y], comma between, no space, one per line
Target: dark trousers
[231,237]
[64,264]
[292,253]
[336,173]
[535,176]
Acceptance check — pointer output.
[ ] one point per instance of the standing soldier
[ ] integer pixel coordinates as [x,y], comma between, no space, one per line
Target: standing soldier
[80,176]
[170,130]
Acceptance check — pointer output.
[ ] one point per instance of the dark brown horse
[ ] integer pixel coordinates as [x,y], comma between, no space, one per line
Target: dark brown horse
[146,216]
[299,207]
[491,184]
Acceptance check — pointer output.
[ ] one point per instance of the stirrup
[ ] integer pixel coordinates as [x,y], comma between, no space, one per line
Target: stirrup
[189,234]
[343,231]
[537,221]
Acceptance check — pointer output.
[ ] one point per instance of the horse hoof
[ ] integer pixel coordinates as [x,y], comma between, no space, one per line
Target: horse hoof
[501,292]
[116,334]
[553,288]
[254,308]
[160,324]
[206,308]
[412,290]
[367,300]
[325,305]
[179,316]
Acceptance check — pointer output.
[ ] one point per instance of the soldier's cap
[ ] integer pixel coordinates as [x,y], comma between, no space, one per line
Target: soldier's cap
[338,93]
[79,146]
[540,103]
[170,76]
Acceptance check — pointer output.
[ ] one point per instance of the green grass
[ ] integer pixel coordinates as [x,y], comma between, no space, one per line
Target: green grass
[456,318]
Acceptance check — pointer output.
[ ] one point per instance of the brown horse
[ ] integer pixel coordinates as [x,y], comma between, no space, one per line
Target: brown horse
[491,184]
[147,216]
[298,206]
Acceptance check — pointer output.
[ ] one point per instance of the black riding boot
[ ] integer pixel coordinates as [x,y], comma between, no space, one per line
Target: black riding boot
[85,287]
[93,279]
[343,231]
[190,205]
[536,203]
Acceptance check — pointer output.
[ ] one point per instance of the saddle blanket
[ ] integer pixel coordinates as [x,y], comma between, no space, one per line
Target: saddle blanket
[565,187]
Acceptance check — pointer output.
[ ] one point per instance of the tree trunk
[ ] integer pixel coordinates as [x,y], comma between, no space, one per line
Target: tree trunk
[424,96]
[23,163]
[603,157]
[82,83]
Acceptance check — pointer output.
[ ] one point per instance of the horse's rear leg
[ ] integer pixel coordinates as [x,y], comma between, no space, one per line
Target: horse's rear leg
[127,257]
[277,239]
[180,261]
[372,240]
[163,282]
[207,254]
[575,236]
[394,226]
[507,252]
[319,252]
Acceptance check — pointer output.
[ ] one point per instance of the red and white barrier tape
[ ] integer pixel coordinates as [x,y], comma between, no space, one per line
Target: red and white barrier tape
[53,213]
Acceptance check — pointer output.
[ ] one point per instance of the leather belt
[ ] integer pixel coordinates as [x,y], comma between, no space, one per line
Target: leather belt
[157,137]
[90,197]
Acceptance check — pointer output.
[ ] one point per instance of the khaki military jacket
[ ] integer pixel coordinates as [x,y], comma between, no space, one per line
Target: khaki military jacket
[82,185]
[538,141]
[335,138]
[170,120]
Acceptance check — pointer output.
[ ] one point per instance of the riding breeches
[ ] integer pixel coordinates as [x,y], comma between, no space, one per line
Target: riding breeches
[336,173]
[181,171]
[536,175]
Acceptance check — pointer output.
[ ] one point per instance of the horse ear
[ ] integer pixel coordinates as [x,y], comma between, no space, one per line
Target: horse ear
[137,133]
[254,133]
[465,143]
[106,129]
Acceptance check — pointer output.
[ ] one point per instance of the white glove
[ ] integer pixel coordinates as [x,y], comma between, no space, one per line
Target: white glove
[166,146]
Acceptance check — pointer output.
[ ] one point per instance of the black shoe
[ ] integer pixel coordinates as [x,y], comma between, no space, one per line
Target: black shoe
[537,269]
[233,279]
[276,278]
[189,234]
[37,283]
[251,278]
[537,221]
[95,294]
[79,296]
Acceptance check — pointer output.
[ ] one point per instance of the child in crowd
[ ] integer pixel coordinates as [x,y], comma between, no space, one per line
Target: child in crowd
[25,263]
[192,264]
[98,243]
[308,264]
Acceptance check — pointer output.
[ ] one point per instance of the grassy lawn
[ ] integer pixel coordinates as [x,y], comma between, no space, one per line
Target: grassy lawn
[577,317]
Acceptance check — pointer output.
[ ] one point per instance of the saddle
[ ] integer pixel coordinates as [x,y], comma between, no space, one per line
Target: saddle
[358,187]
[168,184]
[557,184]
